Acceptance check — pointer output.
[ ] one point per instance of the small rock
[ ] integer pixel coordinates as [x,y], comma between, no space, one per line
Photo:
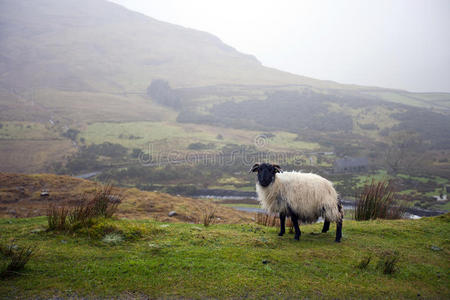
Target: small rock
[265,262]
[435,248]
[36,230]
[164,225]
[172,213]
[64,241]
[197,228]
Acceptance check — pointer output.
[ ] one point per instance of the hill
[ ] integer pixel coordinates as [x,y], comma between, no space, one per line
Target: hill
[96,45]
[79,93]
[20,197]
[232,261]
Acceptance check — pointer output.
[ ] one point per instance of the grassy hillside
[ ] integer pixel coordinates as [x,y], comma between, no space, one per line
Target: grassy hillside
[20,197]
[232,261]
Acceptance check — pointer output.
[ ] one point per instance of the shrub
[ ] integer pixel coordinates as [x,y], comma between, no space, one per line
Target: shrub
[103,204]
[388,262]
[57,217]
[208,215]
[377,201]
[17,258]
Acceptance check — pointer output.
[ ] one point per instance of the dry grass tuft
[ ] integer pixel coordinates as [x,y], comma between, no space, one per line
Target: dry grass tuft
[104,203]
[378,201]
[208,215]
[17,259]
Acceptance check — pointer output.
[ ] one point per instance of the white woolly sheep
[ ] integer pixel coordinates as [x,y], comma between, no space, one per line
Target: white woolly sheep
[302,196]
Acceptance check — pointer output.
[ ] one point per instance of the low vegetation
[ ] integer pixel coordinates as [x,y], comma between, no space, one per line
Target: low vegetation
[14,259]
[103,204]
[145,258]
[378,201]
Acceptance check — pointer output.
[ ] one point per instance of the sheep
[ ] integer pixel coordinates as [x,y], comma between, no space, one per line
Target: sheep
[302,196]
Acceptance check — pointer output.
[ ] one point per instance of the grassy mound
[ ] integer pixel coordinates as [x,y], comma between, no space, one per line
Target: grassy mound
[137,258]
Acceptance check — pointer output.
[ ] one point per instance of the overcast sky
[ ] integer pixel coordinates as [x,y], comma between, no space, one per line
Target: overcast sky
[401,44]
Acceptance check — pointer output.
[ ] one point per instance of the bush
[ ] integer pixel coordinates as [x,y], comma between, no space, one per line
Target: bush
[388,262]
[16,259]
[103,204]
[208,215]
[57,217]
[377,201]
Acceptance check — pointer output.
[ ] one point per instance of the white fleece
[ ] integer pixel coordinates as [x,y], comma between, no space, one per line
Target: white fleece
[308,195]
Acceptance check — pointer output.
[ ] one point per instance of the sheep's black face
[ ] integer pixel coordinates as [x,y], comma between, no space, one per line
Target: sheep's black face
[266,173]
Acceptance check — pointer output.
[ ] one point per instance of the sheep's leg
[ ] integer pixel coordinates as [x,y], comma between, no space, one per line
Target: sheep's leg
[326,226]
[298,233]
[338,231]
[282,223]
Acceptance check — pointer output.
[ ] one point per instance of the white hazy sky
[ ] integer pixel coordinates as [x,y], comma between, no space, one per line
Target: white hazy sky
[401,44]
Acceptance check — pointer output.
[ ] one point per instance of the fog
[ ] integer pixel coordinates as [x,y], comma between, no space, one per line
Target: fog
[395,44]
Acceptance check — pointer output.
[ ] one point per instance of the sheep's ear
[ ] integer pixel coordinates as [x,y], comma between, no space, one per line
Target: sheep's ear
[254,168]
[277,169]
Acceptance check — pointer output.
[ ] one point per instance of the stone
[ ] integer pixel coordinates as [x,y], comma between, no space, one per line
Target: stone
[435,248]
[172,213]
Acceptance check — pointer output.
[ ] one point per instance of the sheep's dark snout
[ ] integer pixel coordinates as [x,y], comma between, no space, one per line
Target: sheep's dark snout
[266,173]
[265,177]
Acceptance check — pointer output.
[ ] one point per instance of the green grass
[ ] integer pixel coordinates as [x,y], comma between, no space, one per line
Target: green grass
[379,175]
[178,136]
[27,130]
[226,261]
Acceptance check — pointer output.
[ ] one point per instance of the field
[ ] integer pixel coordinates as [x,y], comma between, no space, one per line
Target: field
[179,260]
[179,136]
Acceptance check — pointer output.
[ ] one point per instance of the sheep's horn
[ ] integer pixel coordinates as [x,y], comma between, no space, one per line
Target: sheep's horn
[254,168]
[278,168]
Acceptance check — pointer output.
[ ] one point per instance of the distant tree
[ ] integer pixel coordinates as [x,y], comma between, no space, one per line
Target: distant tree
[136,152]
[405,152]
[160,91]
[71,134]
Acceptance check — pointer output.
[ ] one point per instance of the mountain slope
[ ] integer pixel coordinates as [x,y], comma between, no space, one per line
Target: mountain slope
[94,45]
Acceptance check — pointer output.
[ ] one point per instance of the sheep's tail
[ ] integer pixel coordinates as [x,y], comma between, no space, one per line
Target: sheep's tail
[334,210]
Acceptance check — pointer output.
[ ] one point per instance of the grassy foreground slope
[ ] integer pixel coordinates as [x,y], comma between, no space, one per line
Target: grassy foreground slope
[234,261]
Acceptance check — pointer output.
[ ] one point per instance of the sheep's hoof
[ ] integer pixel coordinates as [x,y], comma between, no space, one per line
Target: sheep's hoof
[297,238]
[337,241]
[281,234]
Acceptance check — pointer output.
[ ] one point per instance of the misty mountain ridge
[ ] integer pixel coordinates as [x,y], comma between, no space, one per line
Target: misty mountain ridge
[97,45]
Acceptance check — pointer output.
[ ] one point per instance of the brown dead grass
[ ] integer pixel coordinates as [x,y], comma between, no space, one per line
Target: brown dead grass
[20,197]
[32,155]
